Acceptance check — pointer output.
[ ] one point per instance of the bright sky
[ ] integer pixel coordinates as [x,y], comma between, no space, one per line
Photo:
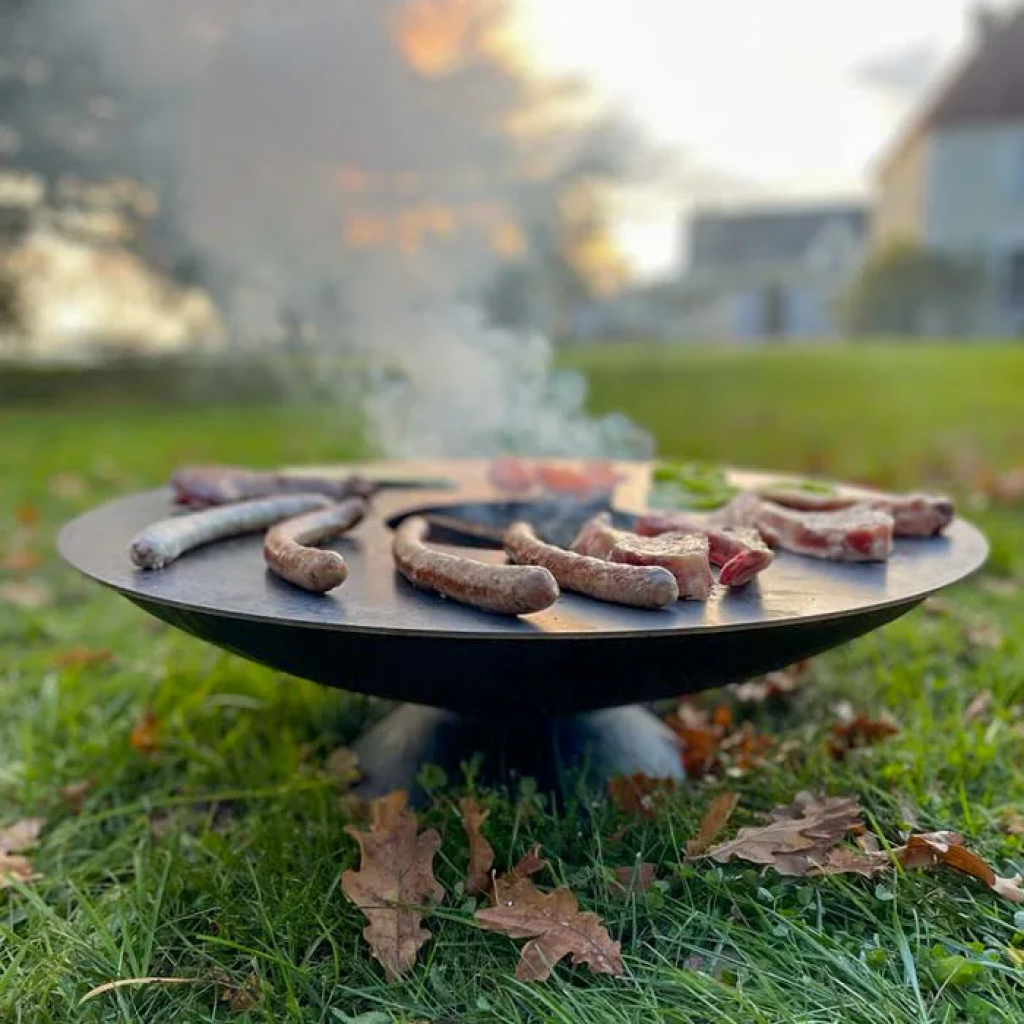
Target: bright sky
[766,91]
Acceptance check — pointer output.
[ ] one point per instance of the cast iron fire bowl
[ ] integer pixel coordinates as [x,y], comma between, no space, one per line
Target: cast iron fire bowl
[502,676]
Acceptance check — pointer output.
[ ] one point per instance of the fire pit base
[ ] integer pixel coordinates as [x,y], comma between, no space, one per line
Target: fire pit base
[593,747]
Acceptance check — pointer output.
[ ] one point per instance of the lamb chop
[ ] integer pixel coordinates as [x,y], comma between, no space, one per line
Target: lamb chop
[739,551]
[684,555]
[915,515]
[859,533]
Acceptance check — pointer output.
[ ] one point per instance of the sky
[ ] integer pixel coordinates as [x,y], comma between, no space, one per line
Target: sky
[767,99]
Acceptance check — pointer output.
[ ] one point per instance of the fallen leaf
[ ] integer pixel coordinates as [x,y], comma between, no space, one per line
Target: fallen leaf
[715,819]
[27,594]
[773,685]
[983,633]
[481,853]
[798,837]
[843,861]
[555,926]
[66,486]
[640,795]
[940,607]
[342,765]
[631,879]
[22,560]
[15,839]
[82,657]
[867,842]
[744,750]
[27,515]
[145,737]
[931,848]
[394,880]
[529,864]
[860,731]
[1013,823]
[981,704]
[1008,488]
[74,794]
[218,817]
[1000,587]
[239,996]
[699,749]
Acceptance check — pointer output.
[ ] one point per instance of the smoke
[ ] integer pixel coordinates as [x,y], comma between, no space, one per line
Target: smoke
[344,174]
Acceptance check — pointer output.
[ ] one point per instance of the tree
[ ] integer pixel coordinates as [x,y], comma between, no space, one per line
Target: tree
[908,290]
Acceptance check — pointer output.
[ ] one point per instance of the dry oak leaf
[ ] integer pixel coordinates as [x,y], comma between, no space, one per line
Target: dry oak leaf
[15,839]
[798,837]
[529,864]
[947,848]
[481,853]
[74,794]
[22,560]
[555,926]
[860,731]
[631,879]
[239,996]
[27,594]
[342,765]
[394,881]
[639,794]
[145,737]
[82,657]
[715,819]
[1013,823]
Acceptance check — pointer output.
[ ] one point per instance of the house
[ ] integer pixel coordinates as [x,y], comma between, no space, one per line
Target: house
[953,182]
[773,272]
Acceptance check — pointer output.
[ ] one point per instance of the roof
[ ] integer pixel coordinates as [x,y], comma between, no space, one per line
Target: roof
[744,238]
[987,87]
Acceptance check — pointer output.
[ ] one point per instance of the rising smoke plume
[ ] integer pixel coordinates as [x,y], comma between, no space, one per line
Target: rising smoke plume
[350,174]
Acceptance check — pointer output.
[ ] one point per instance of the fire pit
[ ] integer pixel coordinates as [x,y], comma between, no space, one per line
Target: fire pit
[563,688]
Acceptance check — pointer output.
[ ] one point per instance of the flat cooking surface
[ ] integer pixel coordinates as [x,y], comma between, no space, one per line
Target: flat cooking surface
[229,578]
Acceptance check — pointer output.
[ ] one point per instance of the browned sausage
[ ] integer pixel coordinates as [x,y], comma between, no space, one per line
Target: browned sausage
[509,589]
[161,543]
[287,550]
[641,586]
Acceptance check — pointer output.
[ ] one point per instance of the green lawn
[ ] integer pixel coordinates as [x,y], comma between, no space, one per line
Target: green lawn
[220,854]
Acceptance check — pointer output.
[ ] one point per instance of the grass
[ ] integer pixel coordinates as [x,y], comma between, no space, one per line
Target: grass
[221,853]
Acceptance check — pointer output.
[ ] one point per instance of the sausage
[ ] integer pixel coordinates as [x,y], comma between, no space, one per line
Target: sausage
[287,550]
[640,586]
[161,543]
[200,486]
[508,589]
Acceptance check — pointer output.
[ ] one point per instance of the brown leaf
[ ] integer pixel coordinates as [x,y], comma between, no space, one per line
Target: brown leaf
[981,704]
[773,685]
[394,880]
[529,864]
[631,879]
[481,853]
[74,794]
[860,731]
[983,633]
[27,515]
[342,765]
[22,560]
[82,657]
[15,839]
[745,749]
[931,848]
[27,594]
[999,587]
[146,735]
[843,861]
[798,836]
[715,819]
[20,835]
[640,795]
[240,997]
[1013,823]
[555,926]
[66,486]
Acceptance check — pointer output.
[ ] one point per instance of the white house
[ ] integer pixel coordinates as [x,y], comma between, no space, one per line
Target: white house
[773,272]
[954,180]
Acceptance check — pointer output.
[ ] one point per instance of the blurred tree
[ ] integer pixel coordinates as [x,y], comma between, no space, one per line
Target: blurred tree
[907,290]
[286,141]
